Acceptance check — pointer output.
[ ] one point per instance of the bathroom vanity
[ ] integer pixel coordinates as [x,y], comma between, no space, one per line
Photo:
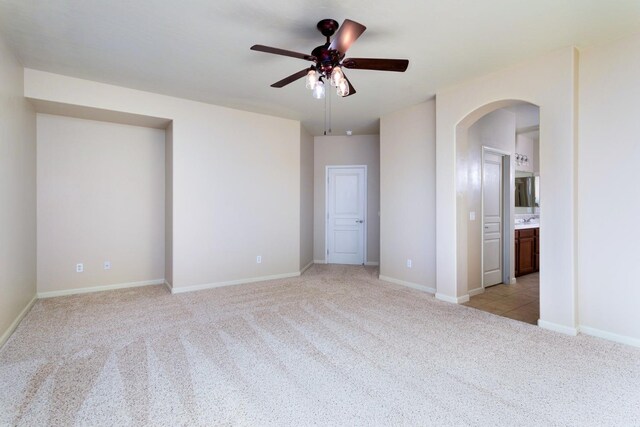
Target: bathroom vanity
[527,243]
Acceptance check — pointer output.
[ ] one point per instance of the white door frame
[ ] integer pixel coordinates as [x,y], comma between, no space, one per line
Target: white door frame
[506,214]
[326,209]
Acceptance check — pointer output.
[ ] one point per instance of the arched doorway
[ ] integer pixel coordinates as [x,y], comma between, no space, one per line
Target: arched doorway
[498,228]
[550,83]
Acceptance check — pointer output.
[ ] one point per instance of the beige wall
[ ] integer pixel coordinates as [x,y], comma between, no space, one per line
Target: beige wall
[100,198]
[527,116]
[236,180]
[536,156]
[17,195]
[551,83]
[407,196]
[495,130]
[168,205]
[306,198]
[525,145]
[236,195]
[347,150]
[608,202]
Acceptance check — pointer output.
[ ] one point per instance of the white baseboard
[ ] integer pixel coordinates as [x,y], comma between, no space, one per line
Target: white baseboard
[5,336]
[453,300]
[422,288]
[476,291]
[168,285]
[368,263]
[305,268]
[513,281]
[192,288]
[587,330]
[556,327]
[101,288]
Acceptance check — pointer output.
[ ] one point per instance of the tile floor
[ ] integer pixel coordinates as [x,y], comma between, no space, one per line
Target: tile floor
[520,301]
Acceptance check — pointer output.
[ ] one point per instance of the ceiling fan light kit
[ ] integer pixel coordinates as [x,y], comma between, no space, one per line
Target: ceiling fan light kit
[318,90]
[329,60]
[312,78]
[343,88]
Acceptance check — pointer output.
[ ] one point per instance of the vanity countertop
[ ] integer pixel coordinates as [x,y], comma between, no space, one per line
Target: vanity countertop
[527,225]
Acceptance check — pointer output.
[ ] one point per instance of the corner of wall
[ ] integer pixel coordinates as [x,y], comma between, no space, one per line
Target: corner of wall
[18,200]
[306,199]
[168,199]
[408,196]
[576,178]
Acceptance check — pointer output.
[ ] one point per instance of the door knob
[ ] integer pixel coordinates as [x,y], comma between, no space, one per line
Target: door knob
[359,221]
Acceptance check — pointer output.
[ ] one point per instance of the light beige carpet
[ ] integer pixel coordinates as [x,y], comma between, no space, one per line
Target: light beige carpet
[334,347]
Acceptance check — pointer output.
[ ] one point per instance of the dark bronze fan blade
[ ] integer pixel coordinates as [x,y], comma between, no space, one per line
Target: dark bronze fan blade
[352,90]
[275,50]
[292,78]
[348,32]
[399,65]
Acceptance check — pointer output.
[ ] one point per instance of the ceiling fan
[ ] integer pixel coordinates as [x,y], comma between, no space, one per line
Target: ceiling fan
[329,59]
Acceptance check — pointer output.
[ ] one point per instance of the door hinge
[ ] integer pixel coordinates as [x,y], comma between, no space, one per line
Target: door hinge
[327,251]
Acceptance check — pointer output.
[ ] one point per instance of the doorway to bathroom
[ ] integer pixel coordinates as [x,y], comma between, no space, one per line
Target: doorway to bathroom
[508,236]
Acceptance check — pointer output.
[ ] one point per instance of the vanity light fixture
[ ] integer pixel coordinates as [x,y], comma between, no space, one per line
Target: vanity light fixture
[521,159]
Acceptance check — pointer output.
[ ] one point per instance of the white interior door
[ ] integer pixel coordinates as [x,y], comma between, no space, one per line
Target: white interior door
[346,206]
[492,219]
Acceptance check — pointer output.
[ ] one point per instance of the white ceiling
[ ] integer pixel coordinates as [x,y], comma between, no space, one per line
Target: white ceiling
[199,49]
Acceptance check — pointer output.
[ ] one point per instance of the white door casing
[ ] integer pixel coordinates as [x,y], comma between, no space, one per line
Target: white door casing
[346,214]
[492,194]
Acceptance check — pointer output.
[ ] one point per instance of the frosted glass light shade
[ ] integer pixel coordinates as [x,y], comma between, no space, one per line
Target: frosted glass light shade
[343,88]
[318,90]
[336,76]
[312,79]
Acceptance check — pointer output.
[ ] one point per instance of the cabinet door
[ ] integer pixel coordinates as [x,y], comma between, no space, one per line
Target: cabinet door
[517,255]
[526,252]
[537,257]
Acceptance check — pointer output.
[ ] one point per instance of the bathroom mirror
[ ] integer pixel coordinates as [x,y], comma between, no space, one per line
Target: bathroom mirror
[527,189]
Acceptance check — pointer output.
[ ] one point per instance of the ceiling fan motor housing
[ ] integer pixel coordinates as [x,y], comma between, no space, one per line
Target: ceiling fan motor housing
[326,59]
[327,27]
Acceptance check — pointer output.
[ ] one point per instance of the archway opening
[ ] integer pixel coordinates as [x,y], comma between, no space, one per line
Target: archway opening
[498,209]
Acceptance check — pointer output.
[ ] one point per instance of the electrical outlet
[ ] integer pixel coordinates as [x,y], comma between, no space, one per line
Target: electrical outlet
[107,265]
[79,268]
[472,216]
[259,259]
[409,263]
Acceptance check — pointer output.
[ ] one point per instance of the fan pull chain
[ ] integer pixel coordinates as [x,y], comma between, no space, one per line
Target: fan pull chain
[325,115]
[329,111]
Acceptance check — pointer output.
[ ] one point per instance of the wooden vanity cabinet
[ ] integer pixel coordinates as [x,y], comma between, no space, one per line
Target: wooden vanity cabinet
[537,258]
[527,250]
[517,257]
